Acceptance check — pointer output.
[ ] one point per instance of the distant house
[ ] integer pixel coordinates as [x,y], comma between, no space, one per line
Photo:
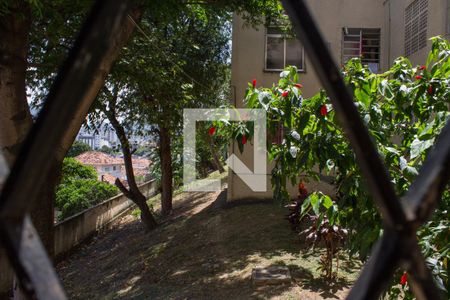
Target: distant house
[141,168]
[108,167]
[376,31]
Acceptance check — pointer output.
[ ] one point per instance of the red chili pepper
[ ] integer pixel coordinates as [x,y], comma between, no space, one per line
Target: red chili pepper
[418,77]
[404,278]
[244,140]
[254,83]
[323,110]
[298,85]
[422,68]
[212,130]
[430,90]
[285,93]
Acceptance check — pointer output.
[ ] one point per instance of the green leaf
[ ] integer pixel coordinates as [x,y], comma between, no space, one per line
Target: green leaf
[363,97]
[284,74]
[327,202]
[403,163]
[392,150]
[418,146]
[411,171]
[315,203]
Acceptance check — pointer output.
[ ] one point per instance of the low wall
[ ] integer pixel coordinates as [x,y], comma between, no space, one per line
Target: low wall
[72,231]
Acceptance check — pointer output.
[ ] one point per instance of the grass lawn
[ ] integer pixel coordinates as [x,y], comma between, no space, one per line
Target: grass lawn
[205,250]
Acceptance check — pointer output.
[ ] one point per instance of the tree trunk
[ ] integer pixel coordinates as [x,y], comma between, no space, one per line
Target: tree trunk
[15,118]
[216,159]
[166,170]
[146,216]
[133,193]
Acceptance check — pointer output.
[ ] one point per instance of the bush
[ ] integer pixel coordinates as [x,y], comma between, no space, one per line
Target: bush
[79,189]
[78,148]
[72,170]
[404,110]
[79,194]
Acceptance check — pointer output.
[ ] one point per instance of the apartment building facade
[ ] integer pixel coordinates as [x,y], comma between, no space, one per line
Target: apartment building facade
[378,31]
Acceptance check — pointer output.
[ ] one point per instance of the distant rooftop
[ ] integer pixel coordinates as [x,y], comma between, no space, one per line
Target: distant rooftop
[98,158]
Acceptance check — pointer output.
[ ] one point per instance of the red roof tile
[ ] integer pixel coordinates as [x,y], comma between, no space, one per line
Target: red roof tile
[98,158]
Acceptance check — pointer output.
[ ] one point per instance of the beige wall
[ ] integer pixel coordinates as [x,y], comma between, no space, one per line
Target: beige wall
[394,16]
[248,54]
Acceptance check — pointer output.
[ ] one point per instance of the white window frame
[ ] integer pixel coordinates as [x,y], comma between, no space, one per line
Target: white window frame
[280,35]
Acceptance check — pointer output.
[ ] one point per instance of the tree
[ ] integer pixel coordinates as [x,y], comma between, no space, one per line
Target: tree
[78,148]
[106,149]
[185,69]
[54,26]
[209,146]
[79,188]
[15,120]
[72,170]
[404,108]
[109,101]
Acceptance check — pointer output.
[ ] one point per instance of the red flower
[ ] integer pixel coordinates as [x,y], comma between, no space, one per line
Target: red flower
[323,110]
[422,68]
[285,93]
[302,191]
[244,140]
[212,130]
[430,90]
[298,85]
[418,77]
[254,83]
[404,278]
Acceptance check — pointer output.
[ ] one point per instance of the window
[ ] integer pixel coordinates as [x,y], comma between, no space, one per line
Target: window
[114,168]
[363,43]
[282,51]
[416,18]
[106,169]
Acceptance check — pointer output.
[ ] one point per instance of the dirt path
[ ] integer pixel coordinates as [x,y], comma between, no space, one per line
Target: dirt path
[205,250]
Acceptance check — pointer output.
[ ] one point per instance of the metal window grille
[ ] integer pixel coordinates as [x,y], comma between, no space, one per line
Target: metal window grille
[363,43]
[416,18]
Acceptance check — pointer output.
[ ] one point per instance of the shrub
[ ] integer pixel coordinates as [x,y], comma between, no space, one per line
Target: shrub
[78,148]
[79,194]
[404,109]
[72,170]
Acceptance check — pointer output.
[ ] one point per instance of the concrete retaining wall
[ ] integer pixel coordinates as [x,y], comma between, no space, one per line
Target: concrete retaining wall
[72,231]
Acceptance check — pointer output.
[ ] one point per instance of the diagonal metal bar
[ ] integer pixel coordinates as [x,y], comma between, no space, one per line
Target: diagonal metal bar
[72,93]
[395,249]
[371,165]
[420,276]
[31,263]
[399,235]
[379,269]
[426,191]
